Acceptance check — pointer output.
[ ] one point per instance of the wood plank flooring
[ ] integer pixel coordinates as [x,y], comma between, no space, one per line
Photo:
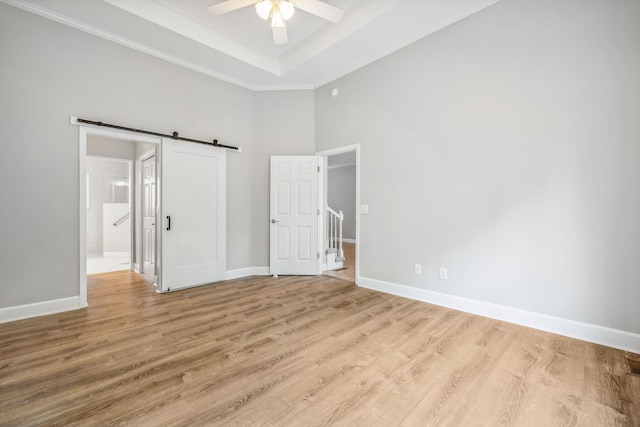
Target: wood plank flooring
[296,351]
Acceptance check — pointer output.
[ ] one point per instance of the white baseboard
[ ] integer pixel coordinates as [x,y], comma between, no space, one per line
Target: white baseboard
[19,312]
[26,311]
[246,272]
[609,337]
[349,240]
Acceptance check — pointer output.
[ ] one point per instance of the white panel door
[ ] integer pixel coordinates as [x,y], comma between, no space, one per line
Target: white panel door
[149,217]
[294,215]
[193,214]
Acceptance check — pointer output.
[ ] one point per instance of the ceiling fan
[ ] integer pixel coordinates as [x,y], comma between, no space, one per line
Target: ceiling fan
[279,11]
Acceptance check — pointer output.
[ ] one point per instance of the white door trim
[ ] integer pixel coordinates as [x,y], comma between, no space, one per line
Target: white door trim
[331,152]
[83,132]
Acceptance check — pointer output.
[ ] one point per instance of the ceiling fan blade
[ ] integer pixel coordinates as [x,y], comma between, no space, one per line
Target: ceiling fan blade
[279,35]
[229,6]
[321,9]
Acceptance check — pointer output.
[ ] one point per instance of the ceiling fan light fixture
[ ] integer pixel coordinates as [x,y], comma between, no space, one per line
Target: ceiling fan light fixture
[263,9]
[279,11]
[276,18]
[286,9]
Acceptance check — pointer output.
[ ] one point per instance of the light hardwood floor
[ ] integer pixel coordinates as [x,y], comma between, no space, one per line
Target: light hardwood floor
[298,351]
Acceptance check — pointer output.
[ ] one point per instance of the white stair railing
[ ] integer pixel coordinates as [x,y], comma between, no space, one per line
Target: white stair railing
[334,233]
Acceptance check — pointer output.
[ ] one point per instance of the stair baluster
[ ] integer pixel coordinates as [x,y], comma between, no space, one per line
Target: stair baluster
[334,234]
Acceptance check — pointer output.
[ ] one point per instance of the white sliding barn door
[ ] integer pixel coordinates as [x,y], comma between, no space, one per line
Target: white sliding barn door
[193,214]
[295,217]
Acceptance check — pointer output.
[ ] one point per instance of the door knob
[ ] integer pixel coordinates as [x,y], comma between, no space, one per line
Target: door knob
[274,221]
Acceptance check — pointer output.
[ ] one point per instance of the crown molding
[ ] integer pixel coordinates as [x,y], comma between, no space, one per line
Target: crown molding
[180,24]
[314,62]
[65,20]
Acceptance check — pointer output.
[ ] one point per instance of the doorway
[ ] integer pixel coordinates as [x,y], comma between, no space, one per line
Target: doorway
[109,224]
[116,146]
[119,230]
[341,194]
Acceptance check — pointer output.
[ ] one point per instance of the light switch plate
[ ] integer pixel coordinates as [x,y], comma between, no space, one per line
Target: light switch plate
[364,209]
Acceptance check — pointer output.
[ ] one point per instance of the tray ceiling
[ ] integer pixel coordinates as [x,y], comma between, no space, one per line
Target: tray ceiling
[237,47]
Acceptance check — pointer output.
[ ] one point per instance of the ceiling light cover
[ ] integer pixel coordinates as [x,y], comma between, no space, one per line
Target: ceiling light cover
[286,9]
[276,18]
[263,8]
[270,8]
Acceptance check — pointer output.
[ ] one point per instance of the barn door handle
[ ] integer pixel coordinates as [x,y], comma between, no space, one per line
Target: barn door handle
[168,223]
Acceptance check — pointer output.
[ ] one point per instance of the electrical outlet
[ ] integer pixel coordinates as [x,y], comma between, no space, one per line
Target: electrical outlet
[418,269]
[443,273]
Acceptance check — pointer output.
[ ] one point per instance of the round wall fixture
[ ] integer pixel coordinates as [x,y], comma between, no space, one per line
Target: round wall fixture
[334,92]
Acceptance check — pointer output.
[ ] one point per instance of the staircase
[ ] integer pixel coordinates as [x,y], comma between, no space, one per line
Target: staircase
[335,254]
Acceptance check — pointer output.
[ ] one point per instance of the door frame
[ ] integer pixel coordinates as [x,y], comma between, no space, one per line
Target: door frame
[84,131]
[325,154]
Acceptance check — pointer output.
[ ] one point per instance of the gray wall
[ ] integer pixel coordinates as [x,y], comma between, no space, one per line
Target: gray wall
[341,195]
[49,72]
[505,148]
[283,125]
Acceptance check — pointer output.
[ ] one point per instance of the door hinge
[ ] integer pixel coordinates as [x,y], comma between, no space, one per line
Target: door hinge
[318,169]
[317,255]
[318,211]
